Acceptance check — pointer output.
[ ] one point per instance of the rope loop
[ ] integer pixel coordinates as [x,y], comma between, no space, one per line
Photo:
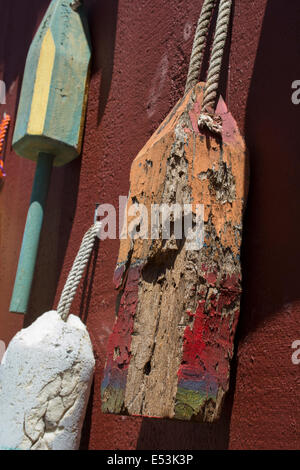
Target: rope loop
[199,44]
[77,271]
[208,118]
[213,76]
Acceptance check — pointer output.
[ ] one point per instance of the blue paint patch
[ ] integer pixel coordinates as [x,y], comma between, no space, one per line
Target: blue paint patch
[207,386]
[114,378]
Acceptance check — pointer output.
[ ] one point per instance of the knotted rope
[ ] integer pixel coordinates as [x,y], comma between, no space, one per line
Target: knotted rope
[77,271]
[199,43]
[207,118]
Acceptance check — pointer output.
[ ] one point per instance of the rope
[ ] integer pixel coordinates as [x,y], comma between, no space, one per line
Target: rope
[76,4]
[207,118]
[199,44]
[3,131]
[77,270]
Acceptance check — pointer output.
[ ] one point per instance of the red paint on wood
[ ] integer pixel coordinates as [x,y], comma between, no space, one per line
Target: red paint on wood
[120,340]
[208,344]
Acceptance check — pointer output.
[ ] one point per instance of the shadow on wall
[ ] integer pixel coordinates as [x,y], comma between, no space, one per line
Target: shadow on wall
[271,258]
[271,267]
[18,20]
[159,434]
[103,23]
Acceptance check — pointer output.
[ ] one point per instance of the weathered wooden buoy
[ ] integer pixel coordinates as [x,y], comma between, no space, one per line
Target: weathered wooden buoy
[178,304]
[50,118]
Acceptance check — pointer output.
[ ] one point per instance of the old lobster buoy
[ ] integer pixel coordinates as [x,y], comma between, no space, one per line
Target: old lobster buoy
[50,118]
[179,303]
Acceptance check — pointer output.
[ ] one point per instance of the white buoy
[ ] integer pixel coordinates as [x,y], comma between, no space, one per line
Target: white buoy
[45,380]
[46,373]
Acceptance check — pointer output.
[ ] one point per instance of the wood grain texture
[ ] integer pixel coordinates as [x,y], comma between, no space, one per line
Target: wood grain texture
[177,310]
[54,90]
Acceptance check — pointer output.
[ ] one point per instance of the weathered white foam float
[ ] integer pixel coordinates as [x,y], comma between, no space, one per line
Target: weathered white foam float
[45,381]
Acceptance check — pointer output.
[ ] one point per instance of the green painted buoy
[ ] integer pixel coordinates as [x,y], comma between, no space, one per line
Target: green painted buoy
[50,120]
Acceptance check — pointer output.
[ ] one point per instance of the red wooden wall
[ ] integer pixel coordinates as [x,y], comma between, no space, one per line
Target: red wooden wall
[140,56]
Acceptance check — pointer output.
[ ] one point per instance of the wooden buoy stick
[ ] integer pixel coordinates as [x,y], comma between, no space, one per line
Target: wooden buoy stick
[31,237]
[50,120]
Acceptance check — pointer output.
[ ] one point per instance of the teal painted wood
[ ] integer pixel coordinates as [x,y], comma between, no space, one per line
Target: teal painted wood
[63,124]
[31,237]
[29,81]
[50,118]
